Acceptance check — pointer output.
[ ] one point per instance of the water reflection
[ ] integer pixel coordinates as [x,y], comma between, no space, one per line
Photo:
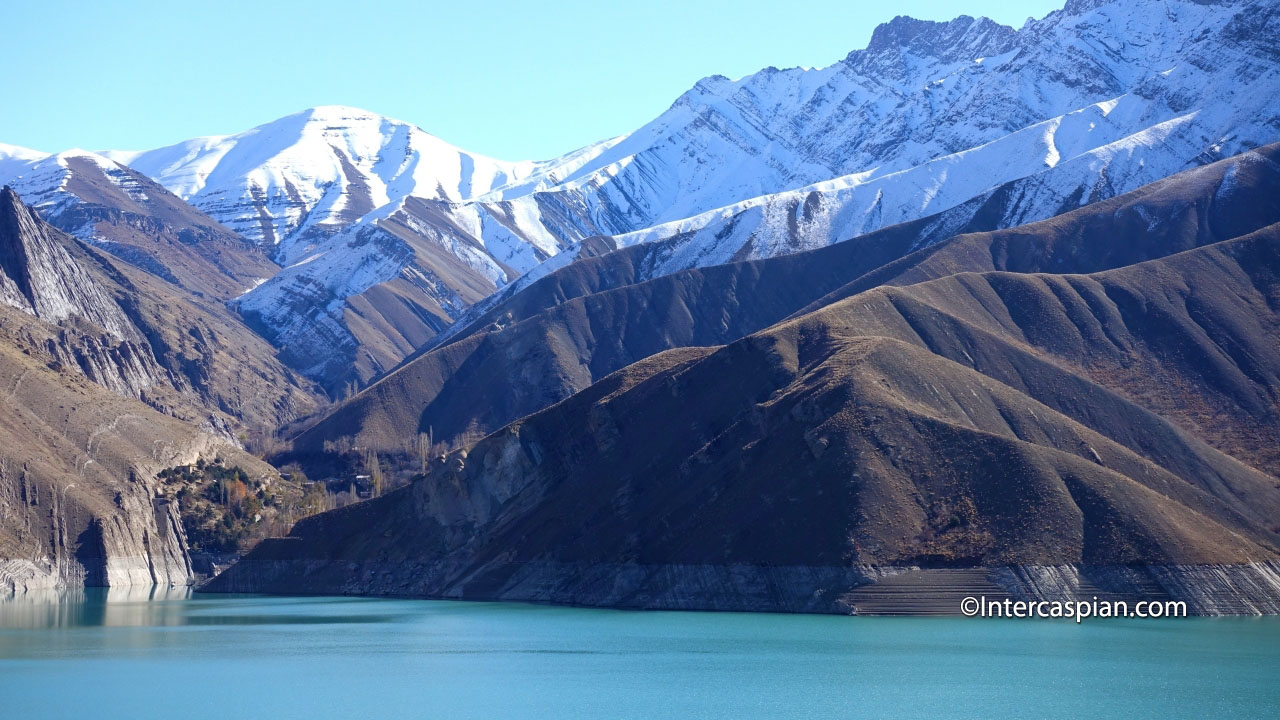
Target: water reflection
[167,606]
[90,607]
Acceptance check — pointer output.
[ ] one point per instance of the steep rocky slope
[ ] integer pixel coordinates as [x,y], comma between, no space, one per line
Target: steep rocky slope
[39,276]
[78,495]
[1178,213]
[953,423]
[122,211]
[110,375]
[595,316]
[135,334]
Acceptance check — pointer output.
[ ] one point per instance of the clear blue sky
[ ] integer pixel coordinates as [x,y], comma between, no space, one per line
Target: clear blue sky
[514,80]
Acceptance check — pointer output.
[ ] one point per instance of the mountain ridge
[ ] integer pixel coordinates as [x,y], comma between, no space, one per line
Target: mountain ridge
[859,440]
[134,218]
[1078,106]
[590,318]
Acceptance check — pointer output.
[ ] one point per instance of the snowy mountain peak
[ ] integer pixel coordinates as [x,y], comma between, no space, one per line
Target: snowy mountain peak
[293,181]
[1079,7]
[946,41]
[41,178]
[371,215]
[19,153]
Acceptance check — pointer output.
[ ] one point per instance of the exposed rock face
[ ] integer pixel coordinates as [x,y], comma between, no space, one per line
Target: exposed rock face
[134,334]
[40,277]
[1247,589]
[83,341]
[78,501]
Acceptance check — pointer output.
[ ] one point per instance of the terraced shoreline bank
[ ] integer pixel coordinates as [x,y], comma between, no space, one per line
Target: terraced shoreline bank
[1218,589]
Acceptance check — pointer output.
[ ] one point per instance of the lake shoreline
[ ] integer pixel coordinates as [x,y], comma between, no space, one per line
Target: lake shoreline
[1211,589]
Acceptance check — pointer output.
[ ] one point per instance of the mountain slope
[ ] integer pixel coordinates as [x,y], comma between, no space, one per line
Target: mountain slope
[110,375]
[132,217]
[595,316]
[877,433]
[1171,215]
[38,275]
[135,334]
[78,495]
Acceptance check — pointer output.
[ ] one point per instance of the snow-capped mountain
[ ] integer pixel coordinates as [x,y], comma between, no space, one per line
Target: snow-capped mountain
[293,181]
[1183,104]
[16,160]
[42,179]
[1091,101]
[389,235]
[920,90]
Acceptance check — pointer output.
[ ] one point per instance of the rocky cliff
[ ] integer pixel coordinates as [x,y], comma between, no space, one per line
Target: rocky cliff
[78,494]
[136,334]
[101,393]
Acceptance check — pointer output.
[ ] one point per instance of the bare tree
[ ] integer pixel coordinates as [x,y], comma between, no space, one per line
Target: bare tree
[374,467]
[426,441]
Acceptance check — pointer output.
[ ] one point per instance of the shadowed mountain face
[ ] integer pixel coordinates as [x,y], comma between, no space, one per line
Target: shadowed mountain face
[586,320]
[1193,208]
[578,325]
[1194,337]
[1116,419]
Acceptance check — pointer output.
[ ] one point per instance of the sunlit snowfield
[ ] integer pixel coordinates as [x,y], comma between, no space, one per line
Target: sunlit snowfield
[128,655]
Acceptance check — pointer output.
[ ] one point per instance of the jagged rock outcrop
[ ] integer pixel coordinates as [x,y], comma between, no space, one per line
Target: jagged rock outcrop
[40,277]
[134,334]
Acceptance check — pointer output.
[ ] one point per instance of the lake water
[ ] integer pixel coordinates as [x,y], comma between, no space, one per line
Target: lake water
[174,654]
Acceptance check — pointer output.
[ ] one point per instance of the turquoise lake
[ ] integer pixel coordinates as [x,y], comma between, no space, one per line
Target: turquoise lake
[172,654]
